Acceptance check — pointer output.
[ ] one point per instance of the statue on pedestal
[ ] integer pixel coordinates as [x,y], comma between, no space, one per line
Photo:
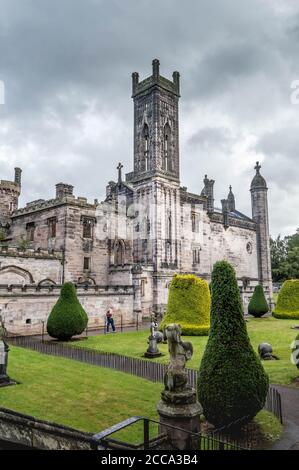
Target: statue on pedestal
[4,348]
[178,406]
[154,338]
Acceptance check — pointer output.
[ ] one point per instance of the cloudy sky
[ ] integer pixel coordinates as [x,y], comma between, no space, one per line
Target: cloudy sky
[68,115]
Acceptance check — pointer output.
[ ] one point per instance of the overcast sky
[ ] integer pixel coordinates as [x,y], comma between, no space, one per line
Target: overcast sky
[68,113]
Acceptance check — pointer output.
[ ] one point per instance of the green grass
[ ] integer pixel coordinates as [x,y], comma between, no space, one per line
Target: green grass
[276,332]
[90,398]
[79,395]
[269,429]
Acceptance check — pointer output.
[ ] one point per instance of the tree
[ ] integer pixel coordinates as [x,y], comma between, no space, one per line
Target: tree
[285,257]
[258,304]
[188,305]
[232,384]
[67,318]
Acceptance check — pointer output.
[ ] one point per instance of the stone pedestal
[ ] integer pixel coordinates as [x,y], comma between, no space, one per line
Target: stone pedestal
[152,350]
[180,410]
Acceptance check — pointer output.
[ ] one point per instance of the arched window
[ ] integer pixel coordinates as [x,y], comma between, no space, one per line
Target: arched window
[166,147]
[146,147]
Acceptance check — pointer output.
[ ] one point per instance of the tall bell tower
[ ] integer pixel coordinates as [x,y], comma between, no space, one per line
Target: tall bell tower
[156,125]
[156,180]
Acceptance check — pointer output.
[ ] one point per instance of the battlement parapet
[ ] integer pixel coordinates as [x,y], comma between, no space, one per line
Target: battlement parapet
[41,205]
[29,252]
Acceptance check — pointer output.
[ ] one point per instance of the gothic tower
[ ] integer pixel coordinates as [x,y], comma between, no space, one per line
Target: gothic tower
[259,203]
[156,176]
[156,123]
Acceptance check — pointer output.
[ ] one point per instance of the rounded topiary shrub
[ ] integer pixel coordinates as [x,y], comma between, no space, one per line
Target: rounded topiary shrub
[188,305]
[258,304]
[67,318]
[232,384]
[287,305]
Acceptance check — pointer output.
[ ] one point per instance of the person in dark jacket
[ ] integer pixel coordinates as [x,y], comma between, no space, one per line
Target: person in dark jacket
[110,320]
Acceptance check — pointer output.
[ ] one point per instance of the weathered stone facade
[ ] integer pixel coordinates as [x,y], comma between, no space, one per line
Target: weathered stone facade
[125,249]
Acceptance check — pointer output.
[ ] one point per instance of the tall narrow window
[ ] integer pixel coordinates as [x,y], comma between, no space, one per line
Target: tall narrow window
[146,147]
[52,227]
[87,227]
[169,227]
[166,149]
[30,229]
[86,264]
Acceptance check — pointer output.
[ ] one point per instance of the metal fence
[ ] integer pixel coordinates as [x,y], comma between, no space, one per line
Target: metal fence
[143,368]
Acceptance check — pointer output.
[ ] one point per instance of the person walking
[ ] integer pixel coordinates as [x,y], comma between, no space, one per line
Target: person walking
[110,320]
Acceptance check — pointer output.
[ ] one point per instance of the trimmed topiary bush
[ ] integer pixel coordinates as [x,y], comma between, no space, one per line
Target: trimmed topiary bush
[287,305]
[67,318]
[232,384]
[188,304]
[258,304]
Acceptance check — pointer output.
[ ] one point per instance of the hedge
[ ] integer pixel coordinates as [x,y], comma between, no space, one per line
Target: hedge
[67,318]
[258,304]
[188,304]
[232,384]
[287,306]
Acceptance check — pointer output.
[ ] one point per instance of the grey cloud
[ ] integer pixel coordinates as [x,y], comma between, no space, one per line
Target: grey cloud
[66,65]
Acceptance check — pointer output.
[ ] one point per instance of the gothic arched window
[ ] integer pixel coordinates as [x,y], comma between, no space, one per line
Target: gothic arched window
[166,147]
[146,147]
[169,227]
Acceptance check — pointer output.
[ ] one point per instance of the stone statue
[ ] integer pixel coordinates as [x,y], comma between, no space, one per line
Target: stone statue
[154,338]
[178,408]
[4,348]
[265,351]
[180,352]
[3,331]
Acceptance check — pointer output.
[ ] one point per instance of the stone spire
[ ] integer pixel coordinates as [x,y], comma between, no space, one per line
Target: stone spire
[231,200]
[259,203]
[119,168]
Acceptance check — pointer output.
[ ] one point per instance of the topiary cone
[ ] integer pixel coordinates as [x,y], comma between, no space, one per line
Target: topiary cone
[67,318]
[188,304]
[232,384]
[258,304]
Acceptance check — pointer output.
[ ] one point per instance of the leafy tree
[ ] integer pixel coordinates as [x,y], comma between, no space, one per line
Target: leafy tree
[67,318]
[232,384]
[285,257]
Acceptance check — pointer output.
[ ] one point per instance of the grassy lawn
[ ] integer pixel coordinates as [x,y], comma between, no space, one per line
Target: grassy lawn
[276,332]
[82,396]
[91,398]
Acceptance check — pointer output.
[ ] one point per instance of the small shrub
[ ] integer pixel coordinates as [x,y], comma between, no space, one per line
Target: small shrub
[258,304]
[287,305]
[232,384]
[188,305]
[67,318]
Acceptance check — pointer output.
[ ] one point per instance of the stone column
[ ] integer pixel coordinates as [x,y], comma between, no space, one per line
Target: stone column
[137,308]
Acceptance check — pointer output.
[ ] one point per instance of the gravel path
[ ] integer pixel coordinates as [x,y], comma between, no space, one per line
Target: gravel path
[290,413]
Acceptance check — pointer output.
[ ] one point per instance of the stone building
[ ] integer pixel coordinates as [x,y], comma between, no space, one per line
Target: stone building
[122,252]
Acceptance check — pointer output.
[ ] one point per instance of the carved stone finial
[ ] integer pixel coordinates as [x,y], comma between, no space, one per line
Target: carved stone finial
[119,168]
[257,168]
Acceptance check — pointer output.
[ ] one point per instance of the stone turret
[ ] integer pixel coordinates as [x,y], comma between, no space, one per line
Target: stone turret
[208,191]
[259,203]
[9,195]
[231,200]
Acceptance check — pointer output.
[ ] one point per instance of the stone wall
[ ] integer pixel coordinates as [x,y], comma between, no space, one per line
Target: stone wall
[27,431]
[25,308]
